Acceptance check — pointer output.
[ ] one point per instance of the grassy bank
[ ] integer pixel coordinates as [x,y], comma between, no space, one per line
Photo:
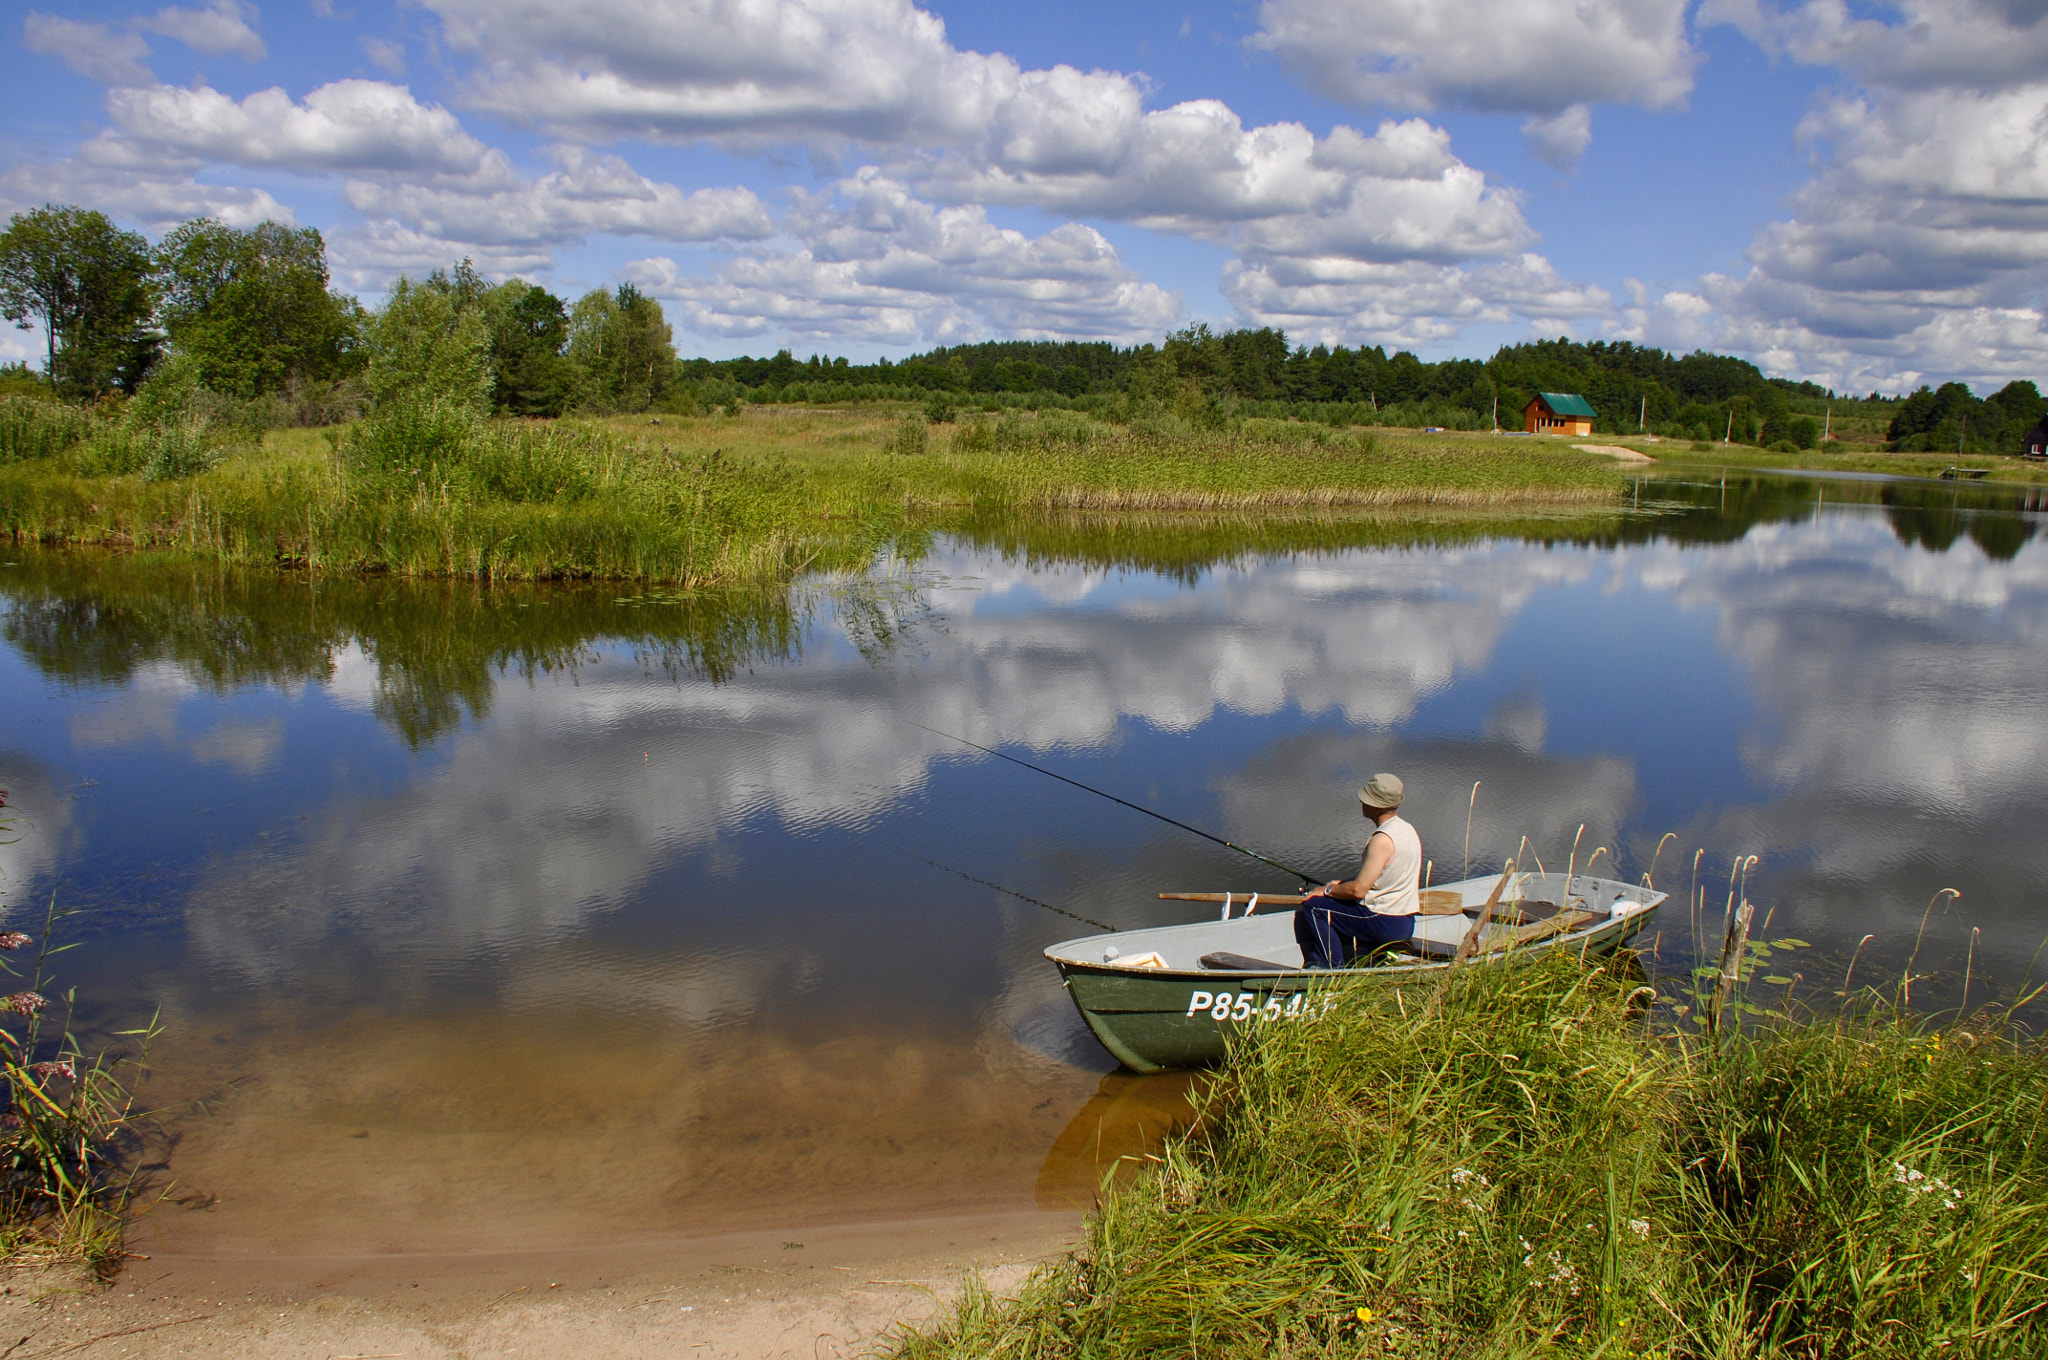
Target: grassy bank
[1671,454]
[1522,1166]
[708,500]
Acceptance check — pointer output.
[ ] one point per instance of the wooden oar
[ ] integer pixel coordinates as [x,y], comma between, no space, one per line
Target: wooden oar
[1561,924]
[1469,946]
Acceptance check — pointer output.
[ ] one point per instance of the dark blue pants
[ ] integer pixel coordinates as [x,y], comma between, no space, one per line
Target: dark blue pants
[1333,933]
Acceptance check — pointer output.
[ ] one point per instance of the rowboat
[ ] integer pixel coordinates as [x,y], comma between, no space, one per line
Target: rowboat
[1171,996]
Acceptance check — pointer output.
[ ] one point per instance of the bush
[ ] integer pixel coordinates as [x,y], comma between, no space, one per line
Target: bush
[975,436]
[910,437]
[1783,446]
[1804,431]
[939,408]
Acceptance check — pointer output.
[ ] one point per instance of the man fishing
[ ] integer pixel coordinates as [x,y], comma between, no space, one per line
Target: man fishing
[1344,919]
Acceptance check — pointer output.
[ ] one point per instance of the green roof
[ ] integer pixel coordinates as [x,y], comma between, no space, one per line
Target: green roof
[1567,404]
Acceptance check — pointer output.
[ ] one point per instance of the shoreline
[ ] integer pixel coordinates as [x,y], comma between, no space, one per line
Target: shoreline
[737,1294]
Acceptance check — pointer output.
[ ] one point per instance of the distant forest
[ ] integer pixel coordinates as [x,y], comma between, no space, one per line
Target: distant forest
[247,317]
[1209,377]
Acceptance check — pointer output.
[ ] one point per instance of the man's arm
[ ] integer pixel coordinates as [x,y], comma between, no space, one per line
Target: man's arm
[1379,853]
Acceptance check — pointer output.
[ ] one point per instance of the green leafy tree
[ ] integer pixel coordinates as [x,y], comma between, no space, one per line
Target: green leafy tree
[426,347]
[529,328]
[88,283]
[624,344]
[252,310]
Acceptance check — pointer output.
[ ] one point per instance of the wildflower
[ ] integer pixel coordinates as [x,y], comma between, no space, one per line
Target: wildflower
[12,940]
[25,1003]
[1920,1183]
[1639,1226]
[45,1070]
[1365,1315]
[1459,1175]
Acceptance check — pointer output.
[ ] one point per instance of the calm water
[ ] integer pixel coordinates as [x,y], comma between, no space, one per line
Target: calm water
[575,914]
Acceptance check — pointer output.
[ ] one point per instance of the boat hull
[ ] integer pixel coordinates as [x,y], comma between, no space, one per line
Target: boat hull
[1152,1019]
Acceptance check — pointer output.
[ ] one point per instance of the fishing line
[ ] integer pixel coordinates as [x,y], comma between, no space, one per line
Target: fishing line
[1229,845]
[1084,920]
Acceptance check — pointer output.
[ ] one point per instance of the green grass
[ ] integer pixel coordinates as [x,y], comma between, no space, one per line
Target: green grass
[1521,1165]
[1677,456]
[715,500]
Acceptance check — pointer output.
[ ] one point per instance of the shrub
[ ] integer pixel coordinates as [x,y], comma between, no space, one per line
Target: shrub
[975,436]
[910,437]
[939,407]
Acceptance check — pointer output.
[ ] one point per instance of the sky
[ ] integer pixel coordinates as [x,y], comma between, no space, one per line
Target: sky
[1854,194]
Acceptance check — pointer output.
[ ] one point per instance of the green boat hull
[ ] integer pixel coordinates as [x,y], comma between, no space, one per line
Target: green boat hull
[1152,1019]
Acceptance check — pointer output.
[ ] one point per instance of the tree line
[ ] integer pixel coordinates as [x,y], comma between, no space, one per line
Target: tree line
[250,314]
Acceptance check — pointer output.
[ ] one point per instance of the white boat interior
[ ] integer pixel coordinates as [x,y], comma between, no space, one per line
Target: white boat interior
[1267,934]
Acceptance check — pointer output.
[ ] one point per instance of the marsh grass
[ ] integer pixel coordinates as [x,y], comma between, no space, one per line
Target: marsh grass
[1522,1164]
[714,500]
[68,1129]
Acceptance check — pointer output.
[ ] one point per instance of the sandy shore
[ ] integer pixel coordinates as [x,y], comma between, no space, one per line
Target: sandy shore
[816,1293]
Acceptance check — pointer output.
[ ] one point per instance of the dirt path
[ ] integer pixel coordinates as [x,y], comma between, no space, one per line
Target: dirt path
[815,1293]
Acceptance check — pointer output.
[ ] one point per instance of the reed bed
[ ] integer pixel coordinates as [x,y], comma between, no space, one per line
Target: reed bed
[1517,1162]
[69,1145]
[700,501]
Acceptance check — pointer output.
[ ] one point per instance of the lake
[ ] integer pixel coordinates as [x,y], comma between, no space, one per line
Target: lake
[587,913]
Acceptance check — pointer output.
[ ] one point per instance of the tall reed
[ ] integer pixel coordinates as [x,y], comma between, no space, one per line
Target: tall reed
[1528,1167]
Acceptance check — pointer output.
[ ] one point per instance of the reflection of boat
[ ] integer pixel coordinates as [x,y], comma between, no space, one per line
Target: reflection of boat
[1127,1119]
[1220,976]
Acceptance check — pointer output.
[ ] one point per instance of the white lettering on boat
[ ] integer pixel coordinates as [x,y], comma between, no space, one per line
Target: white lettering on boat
[1241,1006]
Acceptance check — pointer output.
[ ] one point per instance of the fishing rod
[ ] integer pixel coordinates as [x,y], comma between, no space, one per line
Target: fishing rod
[1284,868]
[1012,892]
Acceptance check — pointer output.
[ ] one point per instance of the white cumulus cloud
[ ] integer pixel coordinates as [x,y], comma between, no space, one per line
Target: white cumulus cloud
[586,195]
[1547,58]
[220,29]
[348,125]
[1918,249]
[868,261]
[93,50]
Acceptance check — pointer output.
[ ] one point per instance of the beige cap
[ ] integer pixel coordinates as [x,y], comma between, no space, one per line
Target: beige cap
[1382,791]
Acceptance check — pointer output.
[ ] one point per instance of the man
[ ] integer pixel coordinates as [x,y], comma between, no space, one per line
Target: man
[1344,919]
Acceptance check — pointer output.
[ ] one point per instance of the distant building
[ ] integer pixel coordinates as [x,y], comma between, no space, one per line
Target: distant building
[1558,413]
[2035,445]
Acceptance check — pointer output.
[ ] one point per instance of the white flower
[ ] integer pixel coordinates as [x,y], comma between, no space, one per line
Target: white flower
[1639,1226]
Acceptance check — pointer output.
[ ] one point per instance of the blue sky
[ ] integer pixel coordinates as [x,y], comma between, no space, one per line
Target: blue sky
[1851,193]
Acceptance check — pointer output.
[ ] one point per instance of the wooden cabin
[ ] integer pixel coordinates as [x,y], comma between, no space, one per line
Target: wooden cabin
[1558,413]
[2035,442]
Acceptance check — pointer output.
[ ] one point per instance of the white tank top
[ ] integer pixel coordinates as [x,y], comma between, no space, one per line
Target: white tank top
[1397,894]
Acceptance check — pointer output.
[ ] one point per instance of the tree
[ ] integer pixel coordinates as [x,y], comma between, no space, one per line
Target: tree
[529,328]
[424,346]
[87,282]
[251,309]
[623,342]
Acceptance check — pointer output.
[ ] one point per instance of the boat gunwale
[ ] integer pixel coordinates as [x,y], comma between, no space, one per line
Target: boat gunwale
[1645,910]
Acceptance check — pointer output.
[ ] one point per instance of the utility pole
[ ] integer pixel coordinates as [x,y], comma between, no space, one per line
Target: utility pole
[1729,434]
[1642,412]
[1496,413]
[1827,424]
